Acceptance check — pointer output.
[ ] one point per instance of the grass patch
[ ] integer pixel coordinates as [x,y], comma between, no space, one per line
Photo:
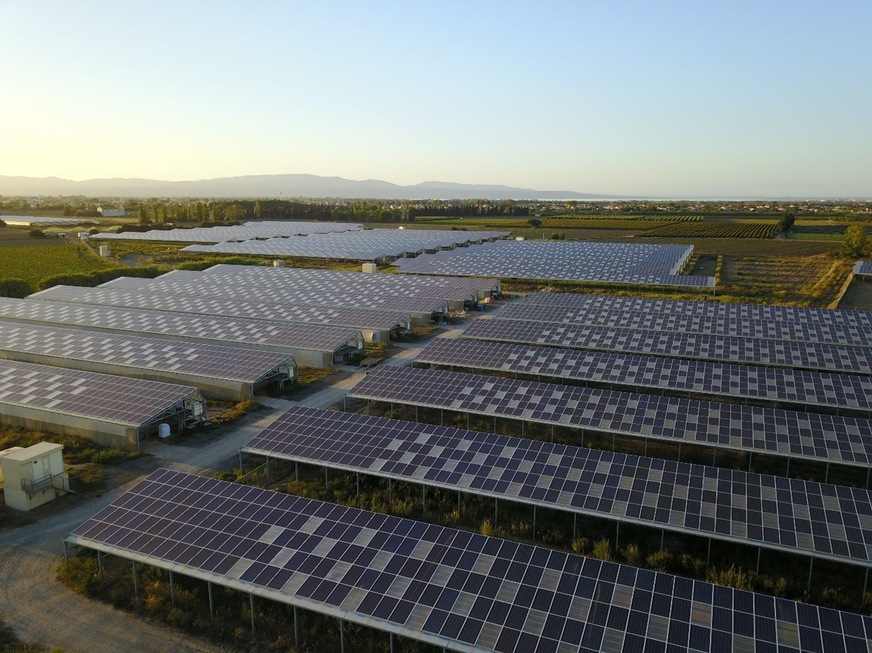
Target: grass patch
[237,411]
[36,263]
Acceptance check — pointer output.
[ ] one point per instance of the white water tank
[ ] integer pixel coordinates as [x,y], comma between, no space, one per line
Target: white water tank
[163,431]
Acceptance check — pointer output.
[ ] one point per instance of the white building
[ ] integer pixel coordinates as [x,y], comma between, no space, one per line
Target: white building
[34,475]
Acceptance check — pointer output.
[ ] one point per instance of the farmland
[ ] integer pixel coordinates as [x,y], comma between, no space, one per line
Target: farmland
[35,263]
[737,229]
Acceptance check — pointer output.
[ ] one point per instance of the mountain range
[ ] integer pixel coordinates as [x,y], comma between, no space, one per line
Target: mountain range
[277,186]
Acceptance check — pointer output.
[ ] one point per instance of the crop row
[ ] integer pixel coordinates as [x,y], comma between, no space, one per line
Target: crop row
[716,230]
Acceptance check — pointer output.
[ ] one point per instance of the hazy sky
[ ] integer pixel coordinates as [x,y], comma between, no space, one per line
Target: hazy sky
[770,97]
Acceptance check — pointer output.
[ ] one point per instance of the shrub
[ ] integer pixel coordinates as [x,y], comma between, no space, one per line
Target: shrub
[633,555]
[659,560]
[602,550]
[112,456]
[733,576]
[80,575]
[18,288]
[486,528]
[579,545]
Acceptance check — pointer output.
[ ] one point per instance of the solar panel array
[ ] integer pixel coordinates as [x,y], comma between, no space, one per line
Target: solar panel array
[452,288]
[366,245]
[88,394]
[803,325]
[695,308]
[769,384]
[845,440]
[190,358]
[633,263]
[182,325]
[248,231]
[233,307]
[798,516]
[39,221]
[436,584]
[803,355]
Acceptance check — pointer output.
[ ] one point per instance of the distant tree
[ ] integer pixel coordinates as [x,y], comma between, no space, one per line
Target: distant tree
[258,210]
[536,223]
[233,213]
[786,222]
[144,217]
[854,245]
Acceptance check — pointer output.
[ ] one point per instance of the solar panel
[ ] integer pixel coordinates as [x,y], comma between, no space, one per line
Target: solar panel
[631,263]
[798,389]
[147,299]
[661,315]
[366,245]
[824,521]
[863,267]
[813,436]
[802,355]
[91,395]
[440,585]
[189,358]
[225,330]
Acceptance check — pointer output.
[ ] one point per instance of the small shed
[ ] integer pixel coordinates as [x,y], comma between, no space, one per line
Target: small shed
[34,475]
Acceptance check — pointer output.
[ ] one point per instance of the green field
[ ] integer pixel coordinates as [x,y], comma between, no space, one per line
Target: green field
[35,263]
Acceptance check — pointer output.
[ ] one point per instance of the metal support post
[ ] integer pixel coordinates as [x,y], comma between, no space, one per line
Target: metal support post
[495,512]
[240,460]
[266,472]
[135,587]
[390,496]
[64,542]
[211,601]
[662,538]
[574,525]
[424,499]
[617,535]
[534,523]
[172,589]
[759,552]
[810,570]
[326,478]
[357,482]
[297,471]
[392,642]
[296,630]
[708,554]
[251,609]
[341,637]
[100,566]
